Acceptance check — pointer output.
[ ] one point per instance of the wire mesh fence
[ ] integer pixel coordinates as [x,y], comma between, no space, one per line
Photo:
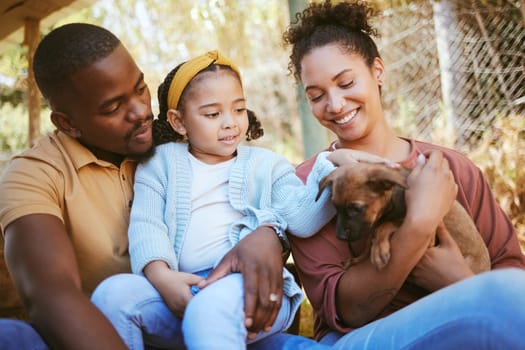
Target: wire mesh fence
[452,69]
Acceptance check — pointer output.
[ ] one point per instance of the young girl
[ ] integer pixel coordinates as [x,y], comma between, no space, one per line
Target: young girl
[426,298]
[197,197]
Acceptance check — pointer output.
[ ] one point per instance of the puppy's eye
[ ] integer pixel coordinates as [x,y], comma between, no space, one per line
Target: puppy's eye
[356,208]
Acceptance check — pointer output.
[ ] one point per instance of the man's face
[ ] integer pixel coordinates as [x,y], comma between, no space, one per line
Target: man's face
[108,105]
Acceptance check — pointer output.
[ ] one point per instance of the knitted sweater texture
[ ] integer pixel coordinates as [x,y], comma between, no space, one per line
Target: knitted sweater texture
[262,186]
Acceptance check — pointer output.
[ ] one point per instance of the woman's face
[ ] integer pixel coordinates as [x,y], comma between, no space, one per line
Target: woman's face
[343,91]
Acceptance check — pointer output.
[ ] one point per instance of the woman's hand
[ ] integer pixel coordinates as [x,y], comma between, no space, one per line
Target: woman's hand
[441,265]
[173,286]
[344,156]
[430,193]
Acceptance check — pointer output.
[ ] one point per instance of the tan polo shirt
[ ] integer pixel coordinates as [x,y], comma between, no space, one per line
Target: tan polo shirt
[60,177]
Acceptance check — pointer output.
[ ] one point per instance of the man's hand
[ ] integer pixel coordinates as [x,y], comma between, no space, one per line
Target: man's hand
[258,258]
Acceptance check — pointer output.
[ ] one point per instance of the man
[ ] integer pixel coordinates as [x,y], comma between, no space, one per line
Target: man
[65,203]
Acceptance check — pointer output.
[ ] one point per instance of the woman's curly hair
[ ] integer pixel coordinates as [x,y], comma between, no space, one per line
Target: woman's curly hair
[345,24]
[162,130]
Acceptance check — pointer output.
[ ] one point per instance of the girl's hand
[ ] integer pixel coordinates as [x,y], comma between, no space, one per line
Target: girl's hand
[441,265]
[173,286]
[344,156]
[176,290]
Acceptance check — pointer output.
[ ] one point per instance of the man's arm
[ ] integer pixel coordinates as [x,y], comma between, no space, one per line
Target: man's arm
[42,262]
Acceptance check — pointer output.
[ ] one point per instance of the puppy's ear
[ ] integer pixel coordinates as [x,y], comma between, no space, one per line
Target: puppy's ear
[324,183]
[381,180]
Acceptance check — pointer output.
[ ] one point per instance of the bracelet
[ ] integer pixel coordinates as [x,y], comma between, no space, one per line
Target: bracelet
[285,244]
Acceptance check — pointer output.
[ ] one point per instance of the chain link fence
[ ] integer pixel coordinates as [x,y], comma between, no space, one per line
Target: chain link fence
[452,70]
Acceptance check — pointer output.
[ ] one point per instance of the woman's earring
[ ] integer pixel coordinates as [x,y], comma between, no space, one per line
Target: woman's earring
[74,132]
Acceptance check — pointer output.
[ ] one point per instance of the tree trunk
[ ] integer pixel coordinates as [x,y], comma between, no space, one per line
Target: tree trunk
[315,137]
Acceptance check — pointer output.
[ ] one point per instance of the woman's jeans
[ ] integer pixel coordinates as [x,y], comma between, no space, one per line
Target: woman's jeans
[213,319]
[486,311]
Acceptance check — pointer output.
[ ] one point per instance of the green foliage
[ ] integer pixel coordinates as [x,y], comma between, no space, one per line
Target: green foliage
[14,128]
[13,72]
[306,325]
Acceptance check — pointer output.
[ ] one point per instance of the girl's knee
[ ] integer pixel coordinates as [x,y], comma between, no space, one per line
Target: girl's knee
[118,288]
[220,301]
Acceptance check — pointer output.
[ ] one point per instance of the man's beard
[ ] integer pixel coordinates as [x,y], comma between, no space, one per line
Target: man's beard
[144,156]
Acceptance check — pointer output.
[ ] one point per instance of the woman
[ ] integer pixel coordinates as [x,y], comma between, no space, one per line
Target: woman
[423,292]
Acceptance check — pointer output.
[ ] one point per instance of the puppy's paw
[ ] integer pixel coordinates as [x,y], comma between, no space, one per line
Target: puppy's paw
[379,256]
[380,251]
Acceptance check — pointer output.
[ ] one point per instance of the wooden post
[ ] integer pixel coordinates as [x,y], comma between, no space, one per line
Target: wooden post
[523,11]
[315,137]
[444,18]
[31,39]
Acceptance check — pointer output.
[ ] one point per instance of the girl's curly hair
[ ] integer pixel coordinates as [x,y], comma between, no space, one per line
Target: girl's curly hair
[162,130]
[345,24]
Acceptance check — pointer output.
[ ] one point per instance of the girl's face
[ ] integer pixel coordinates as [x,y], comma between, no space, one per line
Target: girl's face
[213,116]
[343,91]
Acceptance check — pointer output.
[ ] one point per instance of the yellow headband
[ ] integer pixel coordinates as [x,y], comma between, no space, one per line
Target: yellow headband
[190,69]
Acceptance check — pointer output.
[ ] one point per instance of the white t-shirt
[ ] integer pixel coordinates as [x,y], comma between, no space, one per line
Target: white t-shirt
[211,215]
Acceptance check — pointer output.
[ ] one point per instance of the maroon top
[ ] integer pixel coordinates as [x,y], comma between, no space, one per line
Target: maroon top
[318,258]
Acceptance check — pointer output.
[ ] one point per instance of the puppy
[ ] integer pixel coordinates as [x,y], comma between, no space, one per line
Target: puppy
[370,202]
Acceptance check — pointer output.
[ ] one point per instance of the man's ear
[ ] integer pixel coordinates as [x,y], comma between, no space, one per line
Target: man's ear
[175,119]
[64,124]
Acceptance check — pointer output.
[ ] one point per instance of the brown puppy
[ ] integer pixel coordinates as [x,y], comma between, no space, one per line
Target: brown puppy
[370,202]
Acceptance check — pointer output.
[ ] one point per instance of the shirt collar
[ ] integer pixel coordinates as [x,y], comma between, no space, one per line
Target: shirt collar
[79,154]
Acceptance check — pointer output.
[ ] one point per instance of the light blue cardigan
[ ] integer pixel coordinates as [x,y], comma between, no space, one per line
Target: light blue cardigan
[262,186]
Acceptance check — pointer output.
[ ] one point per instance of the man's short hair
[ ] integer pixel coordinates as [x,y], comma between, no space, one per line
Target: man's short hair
[67,49]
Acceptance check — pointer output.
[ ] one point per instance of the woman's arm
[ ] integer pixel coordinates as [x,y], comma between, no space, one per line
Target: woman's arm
[363,291]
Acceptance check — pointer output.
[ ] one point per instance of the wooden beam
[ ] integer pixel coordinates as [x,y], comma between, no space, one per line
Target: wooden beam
[31,40]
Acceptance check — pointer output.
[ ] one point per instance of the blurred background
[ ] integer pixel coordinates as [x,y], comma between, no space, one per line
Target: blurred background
[455,72]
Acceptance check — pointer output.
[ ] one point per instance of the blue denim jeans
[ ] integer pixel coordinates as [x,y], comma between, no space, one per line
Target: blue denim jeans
[486,311]
[19,335]
[483,312]
[213,319]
